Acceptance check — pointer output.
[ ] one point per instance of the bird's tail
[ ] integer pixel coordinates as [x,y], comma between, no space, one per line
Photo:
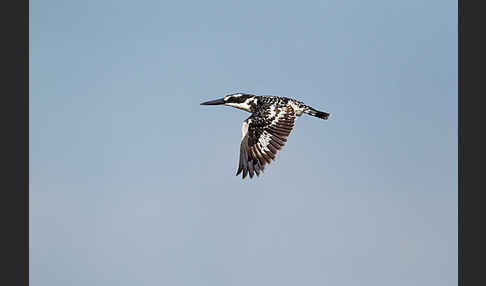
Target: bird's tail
[320,114]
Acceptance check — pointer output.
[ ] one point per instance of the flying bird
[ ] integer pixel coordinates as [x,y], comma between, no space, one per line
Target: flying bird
[265,132]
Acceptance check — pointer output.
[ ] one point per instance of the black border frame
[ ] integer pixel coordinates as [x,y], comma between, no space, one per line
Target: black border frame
[459,144]
[471,62]
[15,143]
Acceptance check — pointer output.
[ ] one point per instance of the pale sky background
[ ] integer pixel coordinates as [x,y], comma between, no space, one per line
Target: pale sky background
[132,182]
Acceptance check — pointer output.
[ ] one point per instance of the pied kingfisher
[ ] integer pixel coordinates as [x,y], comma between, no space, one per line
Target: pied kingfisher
[266,130]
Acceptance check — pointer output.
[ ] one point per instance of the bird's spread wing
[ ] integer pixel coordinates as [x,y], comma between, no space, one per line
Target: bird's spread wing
[262,137]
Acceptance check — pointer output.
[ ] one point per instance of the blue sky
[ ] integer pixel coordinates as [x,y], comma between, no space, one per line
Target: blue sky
[132,182]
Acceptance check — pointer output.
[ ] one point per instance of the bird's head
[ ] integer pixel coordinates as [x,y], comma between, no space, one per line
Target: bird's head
[242,101]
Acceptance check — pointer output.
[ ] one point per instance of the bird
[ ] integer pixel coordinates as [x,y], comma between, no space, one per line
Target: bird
[265,132]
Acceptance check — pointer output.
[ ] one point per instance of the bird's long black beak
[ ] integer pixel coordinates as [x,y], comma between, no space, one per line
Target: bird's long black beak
[214,102]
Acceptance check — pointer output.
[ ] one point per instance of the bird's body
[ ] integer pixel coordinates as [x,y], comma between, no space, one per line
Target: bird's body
[266,130]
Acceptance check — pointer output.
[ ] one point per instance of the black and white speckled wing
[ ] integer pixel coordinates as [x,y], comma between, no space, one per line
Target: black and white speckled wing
[263,135]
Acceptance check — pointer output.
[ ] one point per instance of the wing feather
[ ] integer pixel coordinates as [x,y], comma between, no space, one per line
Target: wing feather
[262,138]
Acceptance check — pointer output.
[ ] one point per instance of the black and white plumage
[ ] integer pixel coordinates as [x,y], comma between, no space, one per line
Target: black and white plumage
[265,132]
